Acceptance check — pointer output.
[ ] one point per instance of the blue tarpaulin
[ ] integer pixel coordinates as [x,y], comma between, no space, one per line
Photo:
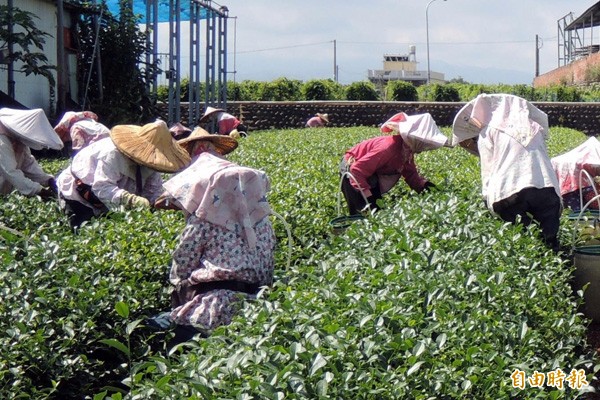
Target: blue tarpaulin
[139,8]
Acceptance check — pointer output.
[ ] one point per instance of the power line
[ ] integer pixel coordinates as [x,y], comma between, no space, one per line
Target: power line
[447,43]
[393,43]
[285,47]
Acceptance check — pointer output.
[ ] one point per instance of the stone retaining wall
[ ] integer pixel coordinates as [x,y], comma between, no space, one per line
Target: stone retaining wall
[281,115]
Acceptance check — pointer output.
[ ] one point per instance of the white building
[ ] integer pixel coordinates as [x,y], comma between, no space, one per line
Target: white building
[403,67]
[34,91]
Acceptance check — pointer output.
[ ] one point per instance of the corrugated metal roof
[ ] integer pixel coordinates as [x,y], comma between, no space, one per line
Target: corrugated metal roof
[590,18]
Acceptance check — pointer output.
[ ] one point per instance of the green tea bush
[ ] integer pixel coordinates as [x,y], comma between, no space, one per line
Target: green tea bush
[281,89]
[432,297]
[401,91]
[361,91]
[438,92]
[322,89]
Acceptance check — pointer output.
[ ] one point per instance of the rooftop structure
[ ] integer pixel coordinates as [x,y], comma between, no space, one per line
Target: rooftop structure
[403,67]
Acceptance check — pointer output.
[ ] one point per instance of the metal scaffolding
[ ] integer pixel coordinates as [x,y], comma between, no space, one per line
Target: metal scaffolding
[215,39]
[576,35]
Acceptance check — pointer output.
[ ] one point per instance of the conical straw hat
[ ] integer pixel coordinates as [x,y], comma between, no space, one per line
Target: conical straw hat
[324,117]
[31,127]
[150,145]
[224,144]
[210,111]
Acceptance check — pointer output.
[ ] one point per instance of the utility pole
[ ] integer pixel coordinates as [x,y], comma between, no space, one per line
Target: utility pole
[538,46]
[335,71]
[11,67]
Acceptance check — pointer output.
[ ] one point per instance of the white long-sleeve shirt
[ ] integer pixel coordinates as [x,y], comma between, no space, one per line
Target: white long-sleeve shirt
[507,166]
[110,174]
[19,170]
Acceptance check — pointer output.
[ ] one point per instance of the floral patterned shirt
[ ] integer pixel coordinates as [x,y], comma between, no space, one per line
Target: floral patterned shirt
[207,252]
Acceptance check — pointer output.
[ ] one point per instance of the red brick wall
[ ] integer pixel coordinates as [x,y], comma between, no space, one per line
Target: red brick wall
[572,74]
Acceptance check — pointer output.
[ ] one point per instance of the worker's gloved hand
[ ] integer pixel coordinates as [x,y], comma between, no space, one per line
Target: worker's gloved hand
[429,186]
[235,134]
[47,194]
[130,200]
[52,185]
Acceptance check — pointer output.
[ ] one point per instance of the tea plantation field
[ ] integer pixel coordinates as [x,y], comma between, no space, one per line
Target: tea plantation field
[430,298]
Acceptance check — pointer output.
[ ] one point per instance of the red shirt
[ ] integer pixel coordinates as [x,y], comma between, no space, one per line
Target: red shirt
[386,157]
[314,122]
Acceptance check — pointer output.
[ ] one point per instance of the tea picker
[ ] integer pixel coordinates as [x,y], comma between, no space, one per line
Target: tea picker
[123,170]
[218,121]
[226,251]
[569,167]
[508,133]
[79,129]
[21,131]
[372,167]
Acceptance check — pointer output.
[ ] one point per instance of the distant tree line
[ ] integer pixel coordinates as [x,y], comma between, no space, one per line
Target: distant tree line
[283,89]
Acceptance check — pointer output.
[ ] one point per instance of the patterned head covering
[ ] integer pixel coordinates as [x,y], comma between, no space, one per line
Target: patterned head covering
[419,131]
[510,114]
[223,193]
[63,127]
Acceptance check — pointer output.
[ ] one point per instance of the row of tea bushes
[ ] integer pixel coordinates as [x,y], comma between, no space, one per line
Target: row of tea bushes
[431,297]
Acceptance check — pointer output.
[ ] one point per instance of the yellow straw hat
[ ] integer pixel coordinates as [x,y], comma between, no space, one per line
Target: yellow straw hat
[150,145]
[224,144]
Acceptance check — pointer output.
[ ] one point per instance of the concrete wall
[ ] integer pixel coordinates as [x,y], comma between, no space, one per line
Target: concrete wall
[281,115]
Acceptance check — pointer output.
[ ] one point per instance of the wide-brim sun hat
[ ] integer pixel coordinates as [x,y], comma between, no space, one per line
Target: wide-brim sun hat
[150,145]
[324,117]
[224,144]
[31,127]
[210,111]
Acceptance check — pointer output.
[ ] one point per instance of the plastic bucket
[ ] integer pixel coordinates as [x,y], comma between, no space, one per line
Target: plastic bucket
[587,218]
[587,270]
[588,225]
[340,224]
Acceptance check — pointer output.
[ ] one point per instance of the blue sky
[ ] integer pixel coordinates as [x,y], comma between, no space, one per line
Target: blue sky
[482,41]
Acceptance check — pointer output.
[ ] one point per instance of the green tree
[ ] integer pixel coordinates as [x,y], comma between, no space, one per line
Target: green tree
[361,91]
[401,91]
[124,96]
[26,37]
